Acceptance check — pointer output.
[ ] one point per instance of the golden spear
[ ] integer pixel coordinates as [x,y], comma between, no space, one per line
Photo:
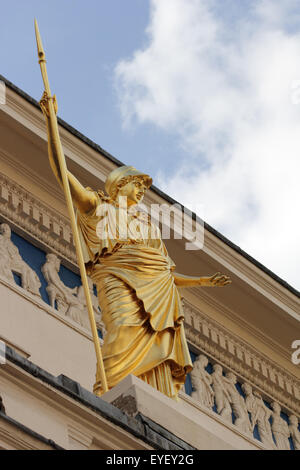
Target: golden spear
[66,187]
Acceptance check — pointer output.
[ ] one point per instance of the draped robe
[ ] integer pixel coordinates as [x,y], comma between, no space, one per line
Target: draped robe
[140,304]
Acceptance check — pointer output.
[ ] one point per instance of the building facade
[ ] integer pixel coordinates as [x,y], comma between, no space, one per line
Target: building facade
[244,391]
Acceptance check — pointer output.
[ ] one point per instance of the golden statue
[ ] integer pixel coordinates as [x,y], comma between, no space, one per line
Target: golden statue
[136,283]
[135,278]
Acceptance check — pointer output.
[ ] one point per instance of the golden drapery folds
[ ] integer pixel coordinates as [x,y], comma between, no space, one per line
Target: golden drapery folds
[140,304]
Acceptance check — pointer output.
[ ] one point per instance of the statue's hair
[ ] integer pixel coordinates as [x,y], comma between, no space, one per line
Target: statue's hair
[123,175]
[52,256]
[124,181]
[3,226]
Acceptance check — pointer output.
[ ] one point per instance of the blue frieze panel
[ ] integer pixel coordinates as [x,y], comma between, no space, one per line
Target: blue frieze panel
[36,258]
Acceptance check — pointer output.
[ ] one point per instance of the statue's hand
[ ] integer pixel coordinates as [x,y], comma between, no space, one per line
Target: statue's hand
[217,280]
[44,104]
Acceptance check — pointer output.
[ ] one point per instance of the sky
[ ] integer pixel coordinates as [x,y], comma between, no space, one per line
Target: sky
[204,95]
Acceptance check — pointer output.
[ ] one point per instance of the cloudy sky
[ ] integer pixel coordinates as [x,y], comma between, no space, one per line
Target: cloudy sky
[202,94]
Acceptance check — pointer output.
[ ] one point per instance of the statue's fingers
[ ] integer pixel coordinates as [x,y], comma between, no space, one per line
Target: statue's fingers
[220,279]
[225,278]
[45,96]
[44,108]
[224,283]
[215,276]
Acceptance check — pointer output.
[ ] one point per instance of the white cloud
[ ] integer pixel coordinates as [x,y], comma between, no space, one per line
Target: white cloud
[225,90]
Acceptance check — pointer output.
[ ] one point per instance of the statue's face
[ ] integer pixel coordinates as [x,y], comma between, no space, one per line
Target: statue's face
[203,361]
[231,377]
[57,264]
[54,261]
[134,192]
[218,369]
[247,388]
[5,230]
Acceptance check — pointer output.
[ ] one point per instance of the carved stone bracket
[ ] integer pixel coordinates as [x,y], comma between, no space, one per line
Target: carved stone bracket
[237,356]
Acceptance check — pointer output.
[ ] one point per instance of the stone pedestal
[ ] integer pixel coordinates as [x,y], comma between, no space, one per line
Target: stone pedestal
[188,420]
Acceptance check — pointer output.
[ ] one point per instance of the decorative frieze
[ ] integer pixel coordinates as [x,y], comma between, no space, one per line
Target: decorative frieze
[70,302]
[222,397]
[280,428]
[201,381]
[294,431]
[237,404]
[243,406]
[260,414]
[36,219]
[11,262]
[225,348]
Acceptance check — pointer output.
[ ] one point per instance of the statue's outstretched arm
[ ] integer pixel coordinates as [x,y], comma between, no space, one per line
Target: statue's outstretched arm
[217,280]
[84,200]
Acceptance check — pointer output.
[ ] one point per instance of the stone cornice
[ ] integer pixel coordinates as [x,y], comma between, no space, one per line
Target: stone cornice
[78,151]
[16,436]
[20,168]
[81,414]
[209,301]
[258,279]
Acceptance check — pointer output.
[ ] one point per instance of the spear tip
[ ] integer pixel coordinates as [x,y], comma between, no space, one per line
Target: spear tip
[41,52]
